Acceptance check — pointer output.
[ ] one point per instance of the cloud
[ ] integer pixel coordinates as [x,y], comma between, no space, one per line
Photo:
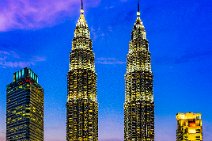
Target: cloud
[111,126]
[109,61]
[188,56]
[165,128]
[207,130]
[191,56]
[111,140]
[2,136]
[30,14]
[10,59]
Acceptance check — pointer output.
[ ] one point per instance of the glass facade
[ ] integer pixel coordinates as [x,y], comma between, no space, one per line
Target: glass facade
[82,106]
[189,127]
[25,72]
[139,102]
[24,117]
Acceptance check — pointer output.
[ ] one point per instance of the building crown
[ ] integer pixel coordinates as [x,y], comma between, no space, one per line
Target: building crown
[23,73]
[138,28]
[82,26]
[82,20]
[138,22]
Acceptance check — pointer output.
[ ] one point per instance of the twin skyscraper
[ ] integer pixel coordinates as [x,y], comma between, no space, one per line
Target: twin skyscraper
[25,116]
[82,106]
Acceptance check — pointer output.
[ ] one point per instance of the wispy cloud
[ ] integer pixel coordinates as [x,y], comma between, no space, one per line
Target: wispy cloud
[2,135]
[111,140]
[207,130]
[30,14]
[165,128]
[10,59]
[186,57]
[2,138]
[109,61]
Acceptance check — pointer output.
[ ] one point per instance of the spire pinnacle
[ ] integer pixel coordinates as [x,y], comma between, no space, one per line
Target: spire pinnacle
[82,7]
[138,12]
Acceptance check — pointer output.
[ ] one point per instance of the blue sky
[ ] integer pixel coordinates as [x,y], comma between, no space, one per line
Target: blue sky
[38,35]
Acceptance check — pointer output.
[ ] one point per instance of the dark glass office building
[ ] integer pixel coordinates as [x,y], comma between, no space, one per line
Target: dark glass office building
[25,104]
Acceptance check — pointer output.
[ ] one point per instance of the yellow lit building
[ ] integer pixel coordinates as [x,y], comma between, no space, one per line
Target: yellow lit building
[82,106]
[189,127]
[139,100]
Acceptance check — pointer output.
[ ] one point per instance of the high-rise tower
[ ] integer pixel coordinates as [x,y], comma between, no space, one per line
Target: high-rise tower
[24,118]
[189,127]
[139,102]
[82,106]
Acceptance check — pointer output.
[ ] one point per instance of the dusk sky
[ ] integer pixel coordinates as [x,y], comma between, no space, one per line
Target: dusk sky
[38,34]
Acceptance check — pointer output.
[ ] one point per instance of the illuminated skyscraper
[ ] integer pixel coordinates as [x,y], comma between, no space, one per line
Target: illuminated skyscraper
[24,118]
[82,106]
[139,102]
[189,127]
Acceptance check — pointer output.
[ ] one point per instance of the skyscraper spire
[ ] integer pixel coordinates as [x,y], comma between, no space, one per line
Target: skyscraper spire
[82,26]
[138,26]
[82,7]
[82,4]
[138,12]
[138,6]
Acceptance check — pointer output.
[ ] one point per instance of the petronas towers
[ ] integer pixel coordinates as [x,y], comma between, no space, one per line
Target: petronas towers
[82,105]
[139,102]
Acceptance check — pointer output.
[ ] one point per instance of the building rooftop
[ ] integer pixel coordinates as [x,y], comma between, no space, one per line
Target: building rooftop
[23,73]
